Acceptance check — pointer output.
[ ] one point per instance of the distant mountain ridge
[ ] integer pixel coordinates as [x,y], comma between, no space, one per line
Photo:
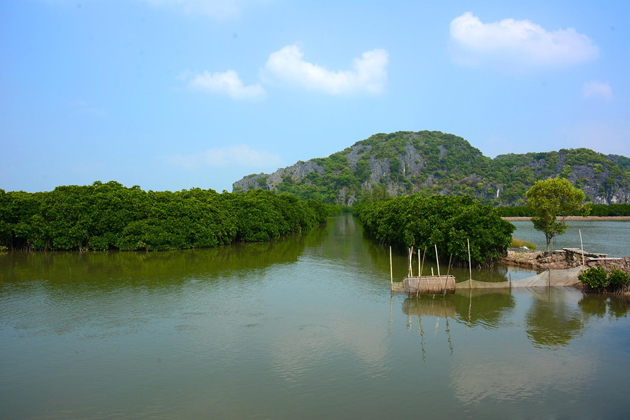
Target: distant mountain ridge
[432,162]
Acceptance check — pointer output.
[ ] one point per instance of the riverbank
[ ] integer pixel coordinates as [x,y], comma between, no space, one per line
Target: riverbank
[561,259]
[575,218]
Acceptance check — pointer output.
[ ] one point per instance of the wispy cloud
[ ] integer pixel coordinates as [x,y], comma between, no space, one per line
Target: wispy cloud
[226,83]
[369,72]
[597,90]
[517,45]
[242,156]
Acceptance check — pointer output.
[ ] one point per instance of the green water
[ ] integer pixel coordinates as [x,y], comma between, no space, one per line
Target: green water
[607,237]
[304,327]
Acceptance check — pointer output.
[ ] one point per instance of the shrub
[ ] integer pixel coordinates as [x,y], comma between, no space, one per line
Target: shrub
[597,279]
[618,278]
[594,277]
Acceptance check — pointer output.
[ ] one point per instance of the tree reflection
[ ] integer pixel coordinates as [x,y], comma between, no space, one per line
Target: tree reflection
[550,321]
[485,308]
[597,306]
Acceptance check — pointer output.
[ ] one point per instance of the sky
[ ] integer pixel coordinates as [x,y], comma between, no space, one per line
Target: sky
[177,94]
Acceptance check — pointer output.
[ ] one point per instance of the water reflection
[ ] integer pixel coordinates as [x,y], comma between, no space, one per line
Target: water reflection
[553,318]
[485,308]
[598,306]
[155,269]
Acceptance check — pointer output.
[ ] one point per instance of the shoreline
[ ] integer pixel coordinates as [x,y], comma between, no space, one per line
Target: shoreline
[575,218]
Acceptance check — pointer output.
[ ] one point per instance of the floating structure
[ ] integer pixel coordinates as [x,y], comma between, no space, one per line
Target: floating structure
[433,285]
[426,285]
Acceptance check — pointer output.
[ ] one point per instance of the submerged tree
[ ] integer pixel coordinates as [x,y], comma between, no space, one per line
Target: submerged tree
[550,199]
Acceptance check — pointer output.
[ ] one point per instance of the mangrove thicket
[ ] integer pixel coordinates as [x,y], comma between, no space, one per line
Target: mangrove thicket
[108,215]
[445,221]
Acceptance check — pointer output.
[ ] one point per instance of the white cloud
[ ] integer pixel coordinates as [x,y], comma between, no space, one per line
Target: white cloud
[242,156]
[594,89]
[517,44]
[369,72]
[217,9]
[228,83]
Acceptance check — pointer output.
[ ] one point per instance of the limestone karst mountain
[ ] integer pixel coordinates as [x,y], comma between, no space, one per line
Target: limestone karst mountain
[432,162]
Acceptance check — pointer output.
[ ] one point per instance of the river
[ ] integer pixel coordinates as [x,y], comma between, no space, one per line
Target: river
[303,327]
[607,237]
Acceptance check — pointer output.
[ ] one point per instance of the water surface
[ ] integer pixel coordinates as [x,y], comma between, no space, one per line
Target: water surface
[304,327]
[607,237]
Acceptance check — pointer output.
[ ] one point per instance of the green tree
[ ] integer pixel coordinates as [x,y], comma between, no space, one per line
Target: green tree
[549,199]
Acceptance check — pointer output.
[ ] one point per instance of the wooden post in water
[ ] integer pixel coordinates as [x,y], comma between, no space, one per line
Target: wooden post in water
[391,269]
[581,246]
[448,272]
[419,266]
[469,263]
[424,256]
[437,260]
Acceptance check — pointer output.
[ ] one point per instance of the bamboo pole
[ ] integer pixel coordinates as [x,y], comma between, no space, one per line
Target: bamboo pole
[423,256]
[411,262]
[448,272]
[391,269]
[437,260]
[419,267]
[581,246]
[469,263]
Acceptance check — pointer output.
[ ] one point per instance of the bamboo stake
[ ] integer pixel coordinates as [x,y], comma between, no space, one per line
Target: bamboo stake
[391,269]
[423,255]
[581,246]
[469,263]
[419,267]
[411,262]
[437,260]
[448,272]
[449,265]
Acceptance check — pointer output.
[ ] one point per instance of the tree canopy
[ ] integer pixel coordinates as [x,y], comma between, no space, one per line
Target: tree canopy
[108,215]
[445,221]
[549,199]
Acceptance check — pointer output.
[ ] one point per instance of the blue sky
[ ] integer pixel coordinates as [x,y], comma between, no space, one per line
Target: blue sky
[174,94]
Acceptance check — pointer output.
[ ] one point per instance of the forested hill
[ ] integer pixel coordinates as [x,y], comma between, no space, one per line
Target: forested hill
[432,162]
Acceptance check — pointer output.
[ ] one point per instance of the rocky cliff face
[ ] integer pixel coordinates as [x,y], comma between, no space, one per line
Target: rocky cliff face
[263,181]
[436,163]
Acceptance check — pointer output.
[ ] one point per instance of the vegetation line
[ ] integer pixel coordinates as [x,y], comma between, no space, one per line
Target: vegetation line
[108,215]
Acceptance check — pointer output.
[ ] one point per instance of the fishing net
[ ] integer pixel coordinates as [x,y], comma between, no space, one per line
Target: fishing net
[549,278]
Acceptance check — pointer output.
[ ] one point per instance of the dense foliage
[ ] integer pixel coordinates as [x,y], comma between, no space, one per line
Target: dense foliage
[597,279]
[550,199]
[432,162]
[110,216]
[445,221]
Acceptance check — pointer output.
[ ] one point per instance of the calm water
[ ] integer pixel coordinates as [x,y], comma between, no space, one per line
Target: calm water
[612,238]
[300,328]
